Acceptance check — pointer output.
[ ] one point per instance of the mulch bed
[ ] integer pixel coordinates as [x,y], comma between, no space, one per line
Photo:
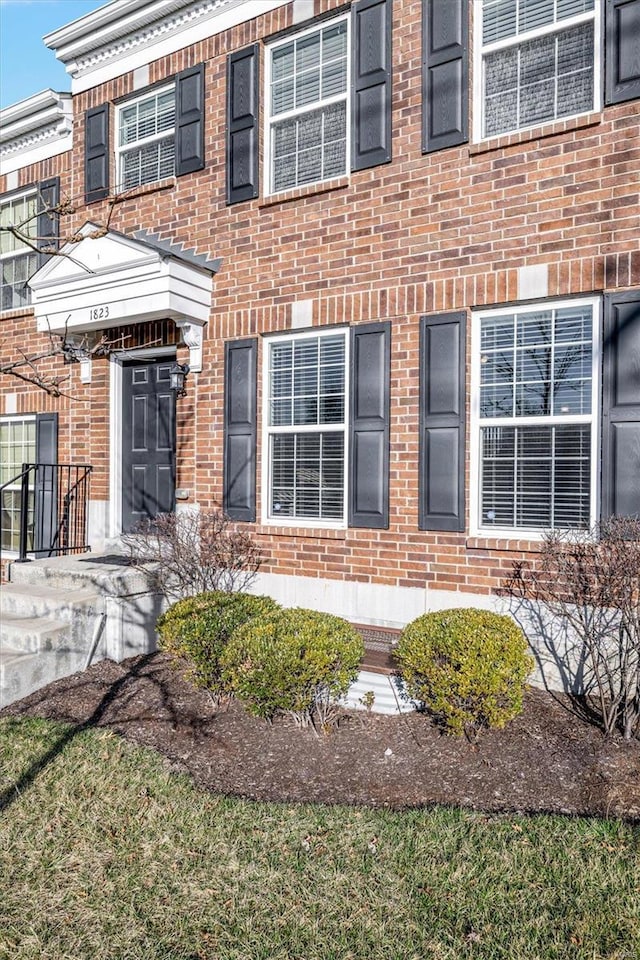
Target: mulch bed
[547,760]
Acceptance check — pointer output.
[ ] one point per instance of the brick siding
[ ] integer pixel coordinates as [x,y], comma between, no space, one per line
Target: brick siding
[423,234]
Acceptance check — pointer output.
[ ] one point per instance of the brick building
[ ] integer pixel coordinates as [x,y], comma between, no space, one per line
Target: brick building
[397,242]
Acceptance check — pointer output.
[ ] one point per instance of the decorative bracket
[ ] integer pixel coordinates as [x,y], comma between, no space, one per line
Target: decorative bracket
[192,336]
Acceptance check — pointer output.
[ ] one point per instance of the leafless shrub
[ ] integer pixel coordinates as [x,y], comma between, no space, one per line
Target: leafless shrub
[193,552]
[591,583]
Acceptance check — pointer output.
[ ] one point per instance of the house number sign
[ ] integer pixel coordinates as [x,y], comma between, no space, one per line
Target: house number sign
[99,313]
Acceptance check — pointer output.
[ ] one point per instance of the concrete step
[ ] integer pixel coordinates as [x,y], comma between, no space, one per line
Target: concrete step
[108,573]
[36,601]
[53,608]
[30,634]
[388,693]
[16,674]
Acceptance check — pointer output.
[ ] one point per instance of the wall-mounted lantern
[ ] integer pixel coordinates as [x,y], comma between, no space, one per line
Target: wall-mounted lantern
[179,373]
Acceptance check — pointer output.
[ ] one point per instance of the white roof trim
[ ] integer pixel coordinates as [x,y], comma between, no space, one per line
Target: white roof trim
[126,34]
[35,129]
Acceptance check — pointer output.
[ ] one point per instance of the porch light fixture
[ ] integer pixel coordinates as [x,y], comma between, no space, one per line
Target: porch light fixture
[179,373]
[75,347]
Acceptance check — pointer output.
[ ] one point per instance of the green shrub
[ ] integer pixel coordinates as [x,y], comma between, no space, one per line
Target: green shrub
[198,628]
[468,667]
[295,661]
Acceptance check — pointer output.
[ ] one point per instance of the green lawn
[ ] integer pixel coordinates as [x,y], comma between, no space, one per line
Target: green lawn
[105,854]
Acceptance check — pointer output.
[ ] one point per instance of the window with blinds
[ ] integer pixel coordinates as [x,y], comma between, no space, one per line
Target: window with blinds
[18,260]
[536,417]
[17,446]
[306,426]
[308,107]
[538,62]
[146,139]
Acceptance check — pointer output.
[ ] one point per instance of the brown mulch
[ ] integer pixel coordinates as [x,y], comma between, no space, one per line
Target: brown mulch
[547,760]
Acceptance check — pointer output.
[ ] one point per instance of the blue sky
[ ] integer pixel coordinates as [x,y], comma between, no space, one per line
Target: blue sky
[26,65]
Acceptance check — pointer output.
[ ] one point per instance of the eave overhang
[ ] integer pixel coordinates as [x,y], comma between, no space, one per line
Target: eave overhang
[35,129]
[126,34]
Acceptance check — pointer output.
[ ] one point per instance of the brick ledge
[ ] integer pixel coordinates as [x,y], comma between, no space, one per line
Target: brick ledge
[504,545]
[299,193]
[536,133]
[311,533]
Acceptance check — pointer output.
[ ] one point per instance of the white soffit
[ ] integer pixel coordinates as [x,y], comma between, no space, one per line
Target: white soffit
[126,34]
[112,280]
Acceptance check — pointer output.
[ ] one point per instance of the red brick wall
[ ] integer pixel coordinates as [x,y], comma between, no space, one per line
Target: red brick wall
[446,231]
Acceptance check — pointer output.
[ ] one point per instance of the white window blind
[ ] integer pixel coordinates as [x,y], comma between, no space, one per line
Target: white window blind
[306,427]
[146,140]
[308,108]
[538,62]
[536,416]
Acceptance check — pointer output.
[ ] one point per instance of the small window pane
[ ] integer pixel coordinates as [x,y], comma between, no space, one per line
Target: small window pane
[499,20]
[283,96]
[281,413]
[305,411]
[282,63]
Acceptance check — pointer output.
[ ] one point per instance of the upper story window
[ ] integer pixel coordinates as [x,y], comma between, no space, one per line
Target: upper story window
[539,62]
[146,139]
[18,261]
[535,397]
[308,107]
[306,427]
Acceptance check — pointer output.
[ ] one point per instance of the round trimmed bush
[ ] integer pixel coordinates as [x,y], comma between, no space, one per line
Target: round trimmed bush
[291,661]
[468,667]
[198,628]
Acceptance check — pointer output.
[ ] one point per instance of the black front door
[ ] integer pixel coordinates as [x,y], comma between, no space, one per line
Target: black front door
[148,441]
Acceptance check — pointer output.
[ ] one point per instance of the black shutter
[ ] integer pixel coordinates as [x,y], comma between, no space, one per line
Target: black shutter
[622,51]
[48,222]
[190,120]
[369,439]
[45,503]
[442,421]
[621,405]
[240,369]
[371,86]
[96,153]
[242,125]
[445,73]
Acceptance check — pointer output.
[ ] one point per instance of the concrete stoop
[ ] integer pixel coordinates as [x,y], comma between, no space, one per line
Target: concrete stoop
[53,609]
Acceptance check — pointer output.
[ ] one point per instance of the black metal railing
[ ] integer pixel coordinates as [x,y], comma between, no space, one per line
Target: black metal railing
[52,510]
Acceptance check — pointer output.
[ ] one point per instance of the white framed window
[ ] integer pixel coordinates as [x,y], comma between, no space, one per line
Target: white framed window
[534,427]
[145,149]
[307,120]
[18,261]
[537,61]
[17,446]
[305,428]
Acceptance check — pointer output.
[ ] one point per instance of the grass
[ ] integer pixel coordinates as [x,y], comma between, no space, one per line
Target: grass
[107,854]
